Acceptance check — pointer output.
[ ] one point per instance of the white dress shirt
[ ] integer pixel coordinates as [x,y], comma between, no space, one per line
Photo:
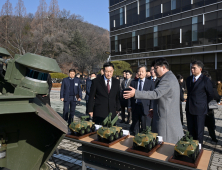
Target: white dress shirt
[196,77]
[110,82]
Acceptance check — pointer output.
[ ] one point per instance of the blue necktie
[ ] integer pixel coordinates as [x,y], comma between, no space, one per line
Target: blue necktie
[140,89]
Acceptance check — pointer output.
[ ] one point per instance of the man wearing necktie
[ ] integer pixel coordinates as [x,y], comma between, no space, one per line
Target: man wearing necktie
[200,93]
[141,107]
[153,76]
[124,102]
[105,91]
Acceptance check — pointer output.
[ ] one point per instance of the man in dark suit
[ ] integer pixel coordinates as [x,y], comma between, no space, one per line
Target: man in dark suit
[124,102]
[88,86]
[70,93]
[105,91]
[200,93]
[153,76]
[141,108]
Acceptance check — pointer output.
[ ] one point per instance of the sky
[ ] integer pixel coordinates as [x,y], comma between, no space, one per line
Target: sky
[93,11]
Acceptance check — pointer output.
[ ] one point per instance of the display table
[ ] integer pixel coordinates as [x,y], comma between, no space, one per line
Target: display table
[116,157]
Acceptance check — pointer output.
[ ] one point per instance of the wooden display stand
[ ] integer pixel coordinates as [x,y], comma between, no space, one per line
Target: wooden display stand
[193,165]
[148,154]
[109,144]
[79,137]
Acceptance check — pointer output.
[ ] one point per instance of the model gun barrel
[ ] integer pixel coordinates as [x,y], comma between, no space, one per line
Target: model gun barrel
[114,120]
[84,117]
[107,119]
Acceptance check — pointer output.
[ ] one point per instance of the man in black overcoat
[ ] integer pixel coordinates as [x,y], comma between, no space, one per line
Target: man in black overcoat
[105,90]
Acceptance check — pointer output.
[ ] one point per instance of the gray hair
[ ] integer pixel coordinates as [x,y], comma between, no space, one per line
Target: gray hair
[140,66]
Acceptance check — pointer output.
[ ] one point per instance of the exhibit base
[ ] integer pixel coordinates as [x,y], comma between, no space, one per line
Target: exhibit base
[73,136]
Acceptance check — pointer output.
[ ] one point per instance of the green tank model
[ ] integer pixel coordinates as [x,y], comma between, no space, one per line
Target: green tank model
[108,131]
[187,147]
[30,130]
[82,127]
[145,140]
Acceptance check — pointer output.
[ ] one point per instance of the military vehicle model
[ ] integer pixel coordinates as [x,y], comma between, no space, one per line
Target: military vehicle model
[82,127]
[187,147]
[146,140]
[30,130]
[108,131]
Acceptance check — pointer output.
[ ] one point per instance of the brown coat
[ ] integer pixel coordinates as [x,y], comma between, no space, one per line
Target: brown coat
[219,89]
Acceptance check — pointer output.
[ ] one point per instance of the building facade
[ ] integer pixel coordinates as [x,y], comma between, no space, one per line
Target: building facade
[179,30]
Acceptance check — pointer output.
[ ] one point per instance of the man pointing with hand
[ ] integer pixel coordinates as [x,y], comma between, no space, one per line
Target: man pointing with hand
[166,107]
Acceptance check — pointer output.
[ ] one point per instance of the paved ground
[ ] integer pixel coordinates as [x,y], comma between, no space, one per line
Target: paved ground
[71,155]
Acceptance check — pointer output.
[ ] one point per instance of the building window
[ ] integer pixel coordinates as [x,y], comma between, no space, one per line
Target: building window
[133,40]
[194,28]
[116,43]
[121,16]
[155,36]
[147,8]
[173,4]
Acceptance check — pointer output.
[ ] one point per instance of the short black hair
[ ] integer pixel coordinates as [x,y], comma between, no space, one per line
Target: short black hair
[179,77]
[117,76]
[92,73]
[161,62]
[124,71]
[77,74]
[128,71]
[198,63]
[108,64]
[72,70]
[140,66]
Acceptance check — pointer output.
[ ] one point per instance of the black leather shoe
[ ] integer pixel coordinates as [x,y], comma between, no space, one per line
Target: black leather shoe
[127,122]
[122,121]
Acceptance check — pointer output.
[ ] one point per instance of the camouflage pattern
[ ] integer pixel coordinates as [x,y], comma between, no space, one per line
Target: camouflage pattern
[146,139]
[109,132]
[83,126]
[186,146]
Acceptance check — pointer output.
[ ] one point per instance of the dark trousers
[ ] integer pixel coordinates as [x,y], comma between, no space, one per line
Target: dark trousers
[66,116]
[210,124]
[139,120]
[87,104]
[123,114]
[195,125]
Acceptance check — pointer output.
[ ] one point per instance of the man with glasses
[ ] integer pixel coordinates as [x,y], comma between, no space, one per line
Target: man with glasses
[200,93]
[105,91]
[153,76]
[124,103]
[166,107]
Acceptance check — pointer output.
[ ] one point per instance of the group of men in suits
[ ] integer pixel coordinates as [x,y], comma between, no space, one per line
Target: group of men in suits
[153,101]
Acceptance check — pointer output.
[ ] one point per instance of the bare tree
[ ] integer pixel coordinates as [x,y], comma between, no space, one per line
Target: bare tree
[6,21]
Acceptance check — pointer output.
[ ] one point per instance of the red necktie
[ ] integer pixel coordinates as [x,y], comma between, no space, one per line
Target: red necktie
[108,87]
[194,80]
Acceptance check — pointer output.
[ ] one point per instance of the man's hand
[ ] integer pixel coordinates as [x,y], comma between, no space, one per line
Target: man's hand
[44,95]
[91,114]
[79,99]
[62,99]
[117,112]
[150,113]
[129,94]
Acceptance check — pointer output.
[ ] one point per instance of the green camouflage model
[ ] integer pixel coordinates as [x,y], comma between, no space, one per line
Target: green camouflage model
[145,140]
[186,146]
[109,132]
[83,127]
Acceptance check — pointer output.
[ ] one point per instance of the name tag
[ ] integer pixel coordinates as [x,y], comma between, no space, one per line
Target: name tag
[76,84]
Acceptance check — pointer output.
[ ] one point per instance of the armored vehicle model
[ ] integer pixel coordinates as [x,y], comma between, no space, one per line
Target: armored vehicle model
[145,140]
[82,127]
[187,147]
[30,130]
[108,131]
